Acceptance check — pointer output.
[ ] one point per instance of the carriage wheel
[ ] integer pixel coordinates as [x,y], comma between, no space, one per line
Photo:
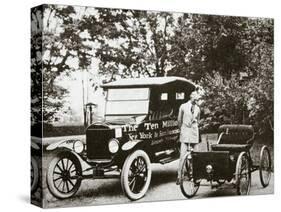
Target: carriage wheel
[265,166]
[243,174]
[189,186]
[63,175]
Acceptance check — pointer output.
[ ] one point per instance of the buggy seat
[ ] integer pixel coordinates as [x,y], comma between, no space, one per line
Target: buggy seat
[234,138]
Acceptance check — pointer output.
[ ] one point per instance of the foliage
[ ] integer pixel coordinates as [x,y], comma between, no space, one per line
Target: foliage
[62,44]
[260,90]
[36,65]
[241,102]
[210,50]
[208,43]
[131,43]
[232,98]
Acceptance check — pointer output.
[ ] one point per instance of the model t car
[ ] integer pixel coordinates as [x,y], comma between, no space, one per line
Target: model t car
[229,160]
[139,128]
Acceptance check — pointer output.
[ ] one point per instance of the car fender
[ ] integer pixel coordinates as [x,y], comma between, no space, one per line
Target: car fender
[35,146]
[63,151]
[68,144]
[130,144]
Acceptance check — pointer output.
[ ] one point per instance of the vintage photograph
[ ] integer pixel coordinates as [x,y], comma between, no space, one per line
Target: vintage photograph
[133,106]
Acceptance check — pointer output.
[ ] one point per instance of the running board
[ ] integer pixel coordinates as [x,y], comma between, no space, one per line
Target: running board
[166,152]
[167,160]
[106,176]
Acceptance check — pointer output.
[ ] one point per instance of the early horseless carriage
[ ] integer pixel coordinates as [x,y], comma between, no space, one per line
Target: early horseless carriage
[229,160]
[139,128]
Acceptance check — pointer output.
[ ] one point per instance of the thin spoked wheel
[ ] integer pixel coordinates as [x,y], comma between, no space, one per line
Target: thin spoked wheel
[265,166]
[64,175]
[189,186]
[136,175]
[34,175]
[243,174]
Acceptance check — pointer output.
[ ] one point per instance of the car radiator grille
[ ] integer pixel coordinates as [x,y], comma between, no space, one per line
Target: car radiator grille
[97,143]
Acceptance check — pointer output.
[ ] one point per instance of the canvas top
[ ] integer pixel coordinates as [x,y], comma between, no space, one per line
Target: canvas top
[150,81]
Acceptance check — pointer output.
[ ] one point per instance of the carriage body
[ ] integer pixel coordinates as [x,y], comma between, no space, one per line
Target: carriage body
[220,162]
[213,165]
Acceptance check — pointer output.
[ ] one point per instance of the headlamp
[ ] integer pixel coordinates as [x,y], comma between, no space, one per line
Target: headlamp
[78,147]
[113,145]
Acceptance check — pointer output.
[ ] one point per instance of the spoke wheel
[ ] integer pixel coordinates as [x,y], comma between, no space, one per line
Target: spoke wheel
[136,175]
[243,174]
[34,175]
[63,175]
[189,186]
[265,166]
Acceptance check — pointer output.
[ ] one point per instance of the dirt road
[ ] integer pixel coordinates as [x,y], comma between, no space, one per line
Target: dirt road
[162,187]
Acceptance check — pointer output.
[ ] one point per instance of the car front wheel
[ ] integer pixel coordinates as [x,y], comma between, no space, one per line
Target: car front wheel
[136,175]
[64,175]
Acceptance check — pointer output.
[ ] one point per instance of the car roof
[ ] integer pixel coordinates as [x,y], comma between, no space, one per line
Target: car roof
[146,82]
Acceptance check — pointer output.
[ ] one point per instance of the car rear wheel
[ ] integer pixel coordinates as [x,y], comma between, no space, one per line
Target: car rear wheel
[243,174]
[136,175]
[64,175]
[265,166]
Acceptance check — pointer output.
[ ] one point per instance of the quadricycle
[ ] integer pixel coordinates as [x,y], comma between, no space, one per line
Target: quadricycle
[229,160]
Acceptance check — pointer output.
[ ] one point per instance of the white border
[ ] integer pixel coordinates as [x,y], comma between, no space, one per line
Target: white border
[15,84]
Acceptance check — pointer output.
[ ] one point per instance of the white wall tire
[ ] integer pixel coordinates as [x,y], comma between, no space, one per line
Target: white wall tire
[136,175]
[64,175]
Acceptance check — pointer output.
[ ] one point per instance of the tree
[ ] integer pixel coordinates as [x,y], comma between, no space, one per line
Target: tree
[246,102]
[36,65]
[131,43]
[62,44]
[217,50]
[211,50]
[225,102]
[206,43]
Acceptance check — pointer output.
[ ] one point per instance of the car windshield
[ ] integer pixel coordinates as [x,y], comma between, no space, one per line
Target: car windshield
[127,101]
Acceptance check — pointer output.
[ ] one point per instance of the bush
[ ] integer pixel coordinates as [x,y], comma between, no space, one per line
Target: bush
[231,101]
[55,131]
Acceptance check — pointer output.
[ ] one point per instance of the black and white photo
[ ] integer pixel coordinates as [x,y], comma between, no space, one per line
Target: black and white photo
[135,106]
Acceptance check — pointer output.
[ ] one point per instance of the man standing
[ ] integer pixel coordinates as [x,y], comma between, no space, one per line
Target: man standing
[188,118]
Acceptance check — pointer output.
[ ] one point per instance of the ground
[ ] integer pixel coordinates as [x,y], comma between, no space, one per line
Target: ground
[162,187]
